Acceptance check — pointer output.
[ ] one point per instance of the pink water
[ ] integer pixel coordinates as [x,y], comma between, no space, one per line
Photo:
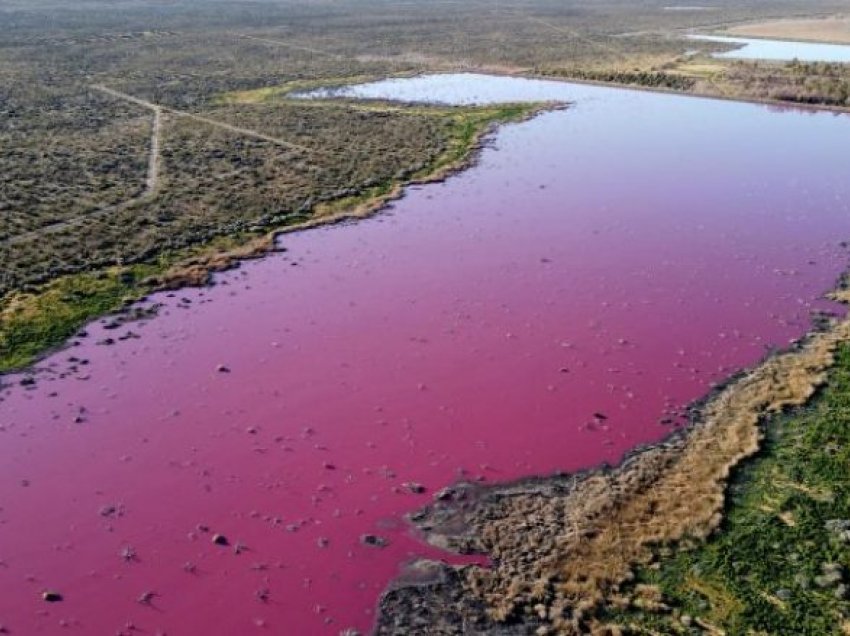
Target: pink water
[615,258]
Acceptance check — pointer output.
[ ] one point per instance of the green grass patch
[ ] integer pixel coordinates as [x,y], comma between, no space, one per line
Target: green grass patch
[467,126]
[34,322]
[766,570]
[31,323]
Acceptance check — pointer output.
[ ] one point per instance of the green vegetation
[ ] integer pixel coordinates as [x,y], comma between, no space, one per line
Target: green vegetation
[798,82]
[48,314]
[203,88]
[468,124]
[215,180]
[780,564]
[649,79]
[33,323]
[814,83]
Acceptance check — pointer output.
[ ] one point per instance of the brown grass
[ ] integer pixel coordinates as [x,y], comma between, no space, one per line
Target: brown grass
[196,271]
[562,552]
[834,29]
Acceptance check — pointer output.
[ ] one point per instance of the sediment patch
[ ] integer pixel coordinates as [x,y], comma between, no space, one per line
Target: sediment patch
[562,546]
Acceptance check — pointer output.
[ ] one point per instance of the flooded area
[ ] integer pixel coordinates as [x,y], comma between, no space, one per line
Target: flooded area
[243,461]
[778,50]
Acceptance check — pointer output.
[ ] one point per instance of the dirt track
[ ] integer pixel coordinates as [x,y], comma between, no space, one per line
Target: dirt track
[153,172]
[212,122]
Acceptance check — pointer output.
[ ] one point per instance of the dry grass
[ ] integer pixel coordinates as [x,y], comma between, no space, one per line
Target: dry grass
[563,555]
[834,29]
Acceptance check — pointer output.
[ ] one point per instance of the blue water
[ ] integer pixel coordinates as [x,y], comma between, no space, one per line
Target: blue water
[757,49]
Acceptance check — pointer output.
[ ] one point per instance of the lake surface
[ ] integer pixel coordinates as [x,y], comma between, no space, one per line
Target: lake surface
[780,50]
[616,258]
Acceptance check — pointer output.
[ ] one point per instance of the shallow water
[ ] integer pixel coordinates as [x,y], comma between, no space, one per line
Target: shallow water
[615,259]
[762,49]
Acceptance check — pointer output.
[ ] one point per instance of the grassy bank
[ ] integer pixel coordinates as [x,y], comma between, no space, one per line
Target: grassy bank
[467,126]
[39,320]
[35,321]
[780,563]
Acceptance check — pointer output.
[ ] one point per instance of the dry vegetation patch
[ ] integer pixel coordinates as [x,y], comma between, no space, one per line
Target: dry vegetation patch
[564,549]
[827,29]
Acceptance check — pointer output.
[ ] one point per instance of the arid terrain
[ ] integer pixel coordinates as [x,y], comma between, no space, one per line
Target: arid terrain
[827,29]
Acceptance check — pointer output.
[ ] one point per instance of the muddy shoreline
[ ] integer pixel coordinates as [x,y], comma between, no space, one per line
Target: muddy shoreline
[562,546]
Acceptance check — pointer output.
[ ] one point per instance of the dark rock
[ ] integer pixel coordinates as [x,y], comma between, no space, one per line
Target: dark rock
[220,539]
[450,493]
[146,598]
[374,540]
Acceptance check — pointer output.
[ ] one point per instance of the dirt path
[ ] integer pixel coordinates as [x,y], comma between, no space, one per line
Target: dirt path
[245,131]
[152,181]
[151,185]
[61,225]
[212,122]
[153,173]
[575,34]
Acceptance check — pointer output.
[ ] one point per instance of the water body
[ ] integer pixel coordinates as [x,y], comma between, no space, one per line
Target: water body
[782,50]
[616,258]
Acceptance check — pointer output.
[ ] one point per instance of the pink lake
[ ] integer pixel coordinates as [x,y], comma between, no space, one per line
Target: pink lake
[615,258]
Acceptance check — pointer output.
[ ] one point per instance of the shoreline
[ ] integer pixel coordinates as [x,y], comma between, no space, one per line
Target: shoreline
[197,270]
[563,545]
[669,91]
